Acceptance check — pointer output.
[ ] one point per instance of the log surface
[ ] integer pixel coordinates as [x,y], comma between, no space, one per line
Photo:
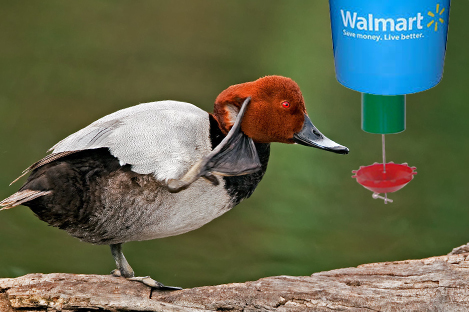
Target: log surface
[432,284]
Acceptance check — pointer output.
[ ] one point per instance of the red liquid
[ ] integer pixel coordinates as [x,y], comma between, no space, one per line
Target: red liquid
[396,177]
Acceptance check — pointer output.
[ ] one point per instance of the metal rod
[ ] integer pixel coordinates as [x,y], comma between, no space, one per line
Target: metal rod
[384,153]
[384,165]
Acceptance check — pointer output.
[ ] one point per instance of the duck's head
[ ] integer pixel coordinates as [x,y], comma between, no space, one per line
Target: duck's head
[276,113]
[270,109]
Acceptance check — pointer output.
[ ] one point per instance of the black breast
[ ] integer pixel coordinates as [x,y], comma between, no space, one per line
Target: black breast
[241,187]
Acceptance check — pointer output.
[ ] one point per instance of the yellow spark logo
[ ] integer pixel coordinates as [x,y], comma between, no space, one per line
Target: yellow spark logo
[436,18]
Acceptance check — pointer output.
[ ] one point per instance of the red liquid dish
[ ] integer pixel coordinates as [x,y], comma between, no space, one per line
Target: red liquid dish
[376,180]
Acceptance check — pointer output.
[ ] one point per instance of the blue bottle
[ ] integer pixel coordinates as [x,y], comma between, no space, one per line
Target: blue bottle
[389,47]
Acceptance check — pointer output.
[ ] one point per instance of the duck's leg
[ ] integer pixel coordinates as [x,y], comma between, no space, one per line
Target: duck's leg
[124,269]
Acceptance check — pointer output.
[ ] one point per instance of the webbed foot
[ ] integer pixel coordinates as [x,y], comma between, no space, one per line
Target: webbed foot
[147,280]
[124,270]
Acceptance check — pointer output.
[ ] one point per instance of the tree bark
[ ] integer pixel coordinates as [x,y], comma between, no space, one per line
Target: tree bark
[432,284]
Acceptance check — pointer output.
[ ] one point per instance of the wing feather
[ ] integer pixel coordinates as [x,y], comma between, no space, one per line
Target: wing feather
[163,138]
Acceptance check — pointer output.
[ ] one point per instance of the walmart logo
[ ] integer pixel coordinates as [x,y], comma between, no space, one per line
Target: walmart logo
[436,17]
[369,22]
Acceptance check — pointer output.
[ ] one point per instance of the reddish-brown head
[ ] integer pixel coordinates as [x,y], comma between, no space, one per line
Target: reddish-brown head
[275,114]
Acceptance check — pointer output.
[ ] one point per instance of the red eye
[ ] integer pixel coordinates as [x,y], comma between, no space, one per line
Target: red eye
[286,104]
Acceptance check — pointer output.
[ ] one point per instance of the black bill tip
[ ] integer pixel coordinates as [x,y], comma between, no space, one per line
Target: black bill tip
[309,135]
[338,149]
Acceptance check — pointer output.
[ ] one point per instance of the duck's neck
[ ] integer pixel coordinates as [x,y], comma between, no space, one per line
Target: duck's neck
[240,187]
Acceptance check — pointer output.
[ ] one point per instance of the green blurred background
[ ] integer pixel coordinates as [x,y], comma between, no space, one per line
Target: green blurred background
[64,64]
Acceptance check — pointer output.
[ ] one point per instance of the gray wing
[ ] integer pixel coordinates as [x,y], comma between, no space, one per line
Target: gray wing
[162,138]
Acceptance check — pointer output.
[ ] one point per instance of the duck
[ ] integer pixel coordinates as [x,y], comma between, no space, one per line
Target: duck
[165,168]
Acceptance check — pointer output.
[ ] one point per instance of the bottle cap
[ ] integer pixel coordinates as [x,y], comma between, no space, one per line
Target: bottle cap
[383,114]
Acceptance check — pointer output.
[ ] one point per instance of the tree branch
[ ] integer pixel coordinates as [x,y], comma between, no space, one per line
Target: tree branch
[432,284]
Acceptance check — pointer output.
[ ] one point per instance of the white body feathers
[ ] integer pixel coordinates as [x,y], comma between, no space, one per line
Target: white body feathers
[163,138]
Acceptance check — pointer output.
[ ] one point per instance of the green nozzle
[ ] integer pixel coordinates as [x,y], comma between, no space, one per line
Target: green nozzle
[383,114]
